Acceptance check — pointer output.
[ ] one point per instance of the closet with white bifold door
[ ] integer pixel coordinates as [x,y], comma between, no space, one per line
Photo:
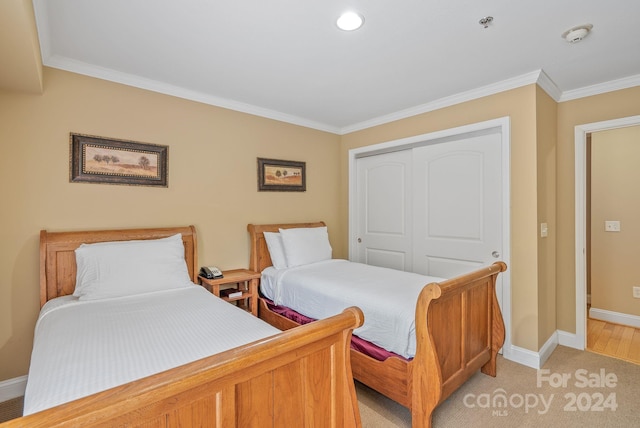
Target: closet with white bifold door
[433,208]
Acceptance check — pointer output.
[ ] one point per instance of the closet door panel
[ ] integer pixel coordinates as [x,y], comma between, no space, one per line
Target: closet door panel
[457,207]
[384,206]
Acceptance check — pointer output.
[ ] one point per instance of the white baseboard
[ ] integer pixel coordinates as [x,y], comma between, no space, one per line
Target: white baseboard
[548,348]
[523,356]
[615,317]
[533,359]
[570,340]
[12,388]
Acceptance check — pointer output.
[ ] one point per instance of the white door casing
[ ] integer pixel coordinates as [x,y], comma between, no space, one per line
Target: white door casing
[579,339]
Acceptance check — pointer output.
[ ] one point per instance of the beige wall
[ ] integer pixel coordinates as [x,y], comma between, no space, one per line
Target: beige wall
[615,196]
[520,105]
[609,106]
[21,69]
[546,125]
[212,181]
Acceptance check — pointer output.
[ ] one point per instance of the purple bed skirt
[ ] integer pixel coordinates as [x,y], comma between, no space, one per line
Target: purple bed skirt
[360,345]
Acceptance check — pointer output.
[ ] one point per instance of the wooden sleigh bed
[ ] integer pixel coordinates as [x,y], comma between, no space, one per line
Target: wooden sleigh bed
[459,330]
[300,377]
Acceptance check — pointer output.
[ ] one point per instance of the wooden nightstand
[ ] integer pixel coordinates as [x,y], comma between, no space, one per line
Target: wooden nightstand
[243,280]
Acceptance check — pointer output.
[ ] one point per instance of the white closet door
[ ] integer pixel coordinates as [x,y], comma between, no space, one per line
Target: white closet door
[384,204]
[457,216]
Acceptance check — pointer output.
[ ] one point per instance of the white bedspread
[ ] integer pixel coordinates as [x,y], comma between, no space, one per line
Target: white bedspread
[85,347]
[387,297]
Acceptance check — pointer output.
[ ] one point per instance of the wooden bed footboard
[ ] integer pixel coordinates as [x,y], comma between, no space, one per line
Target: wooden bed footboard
[459,330]
[300,377]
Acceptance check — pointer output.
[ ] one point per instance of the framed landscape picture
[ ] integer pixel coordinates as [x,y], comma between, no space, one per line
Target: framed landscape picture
[106,160]
[281,175]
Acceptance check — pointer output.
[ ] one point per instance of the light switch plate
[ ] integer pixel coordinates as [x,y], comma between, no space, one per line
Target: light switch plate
[544,230]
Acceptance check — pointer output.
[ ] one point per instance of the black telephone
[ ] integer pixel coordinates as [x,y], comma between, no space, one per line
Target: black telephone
[210,272]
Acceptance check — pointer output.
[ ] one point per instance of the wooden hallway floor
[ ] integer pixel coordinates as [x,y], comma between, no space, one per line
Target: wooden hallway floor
[614,340]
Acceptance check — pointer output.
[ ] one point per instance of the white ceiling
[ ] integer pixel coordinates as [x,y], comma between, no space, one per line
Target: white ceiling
[286,59]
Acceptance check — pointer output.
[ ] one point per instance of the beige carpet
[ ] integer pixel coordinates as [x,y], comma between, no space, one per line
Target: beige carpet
[584,398]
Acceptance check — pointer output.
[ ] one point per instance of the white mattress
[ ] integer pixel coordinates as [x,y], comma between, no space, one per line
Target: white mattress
[85,347]
[387,297]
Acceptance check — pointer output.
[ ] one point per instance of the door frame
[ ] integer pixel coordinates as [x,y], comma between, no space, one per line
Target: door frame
[580,138]
[501,125]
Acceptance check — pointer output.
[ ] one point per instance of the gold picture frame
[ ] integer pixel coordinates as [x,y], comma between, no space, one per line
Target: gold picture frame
[276,175]
[111,161]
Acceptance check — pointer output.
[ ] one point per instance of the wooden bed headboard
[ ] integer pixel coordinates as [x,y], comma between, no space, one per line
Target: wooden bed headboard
[260,258]
[58,259]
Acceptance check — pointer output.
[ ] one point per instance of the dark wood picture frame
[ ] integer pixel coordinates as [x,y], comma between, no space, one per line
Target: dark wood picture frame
[281,175]
[112,161]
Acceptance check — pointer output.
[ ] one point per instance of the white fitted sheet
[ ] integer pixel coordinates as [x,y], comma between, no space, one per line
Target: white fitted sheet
[83,347]
[387,297]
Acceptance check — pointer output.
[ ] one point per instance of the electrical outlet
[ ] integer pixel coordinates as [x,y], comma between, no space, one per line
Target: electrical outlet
[636,292]
[611,226]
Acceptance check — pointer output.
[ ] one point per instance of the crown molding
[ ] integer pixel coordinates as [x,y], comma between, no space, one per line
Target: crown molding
[538,77]
[494,88]
[601,88]
[78,67]
[549,86]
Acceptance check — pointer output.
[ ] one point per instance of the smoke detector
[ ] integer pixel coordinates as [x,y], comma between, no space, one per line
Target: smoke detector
[576,34]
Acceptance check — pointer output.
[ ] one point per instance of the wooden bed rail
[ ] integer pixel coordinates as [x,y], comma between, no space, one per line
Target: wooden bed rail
[301,377]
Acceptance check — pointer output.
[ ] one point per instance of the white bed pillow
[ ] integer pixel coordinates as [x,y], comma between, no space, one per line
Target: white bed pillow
[305,245]
[122,268]
[276,249]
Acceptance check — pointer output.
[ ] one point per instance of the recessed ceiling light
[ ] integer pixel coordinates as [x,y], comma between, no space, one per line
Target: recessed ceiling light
[350,21]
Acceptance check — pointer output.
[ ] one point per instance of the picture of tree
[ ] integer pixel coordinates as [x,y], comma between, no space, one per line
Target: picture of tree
[108,160]
[105,160]
[281,175]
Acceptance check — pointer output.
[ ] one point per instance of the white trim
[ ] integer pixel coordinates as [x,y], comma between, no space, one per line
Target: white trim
[548,348]
[12,388]
[504,126]
[549,86]
[523,356]
[494,88]
[532,359]
[601,88]
[91,70]
[615,317]
[536,360]
[580,142]
[570,340]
